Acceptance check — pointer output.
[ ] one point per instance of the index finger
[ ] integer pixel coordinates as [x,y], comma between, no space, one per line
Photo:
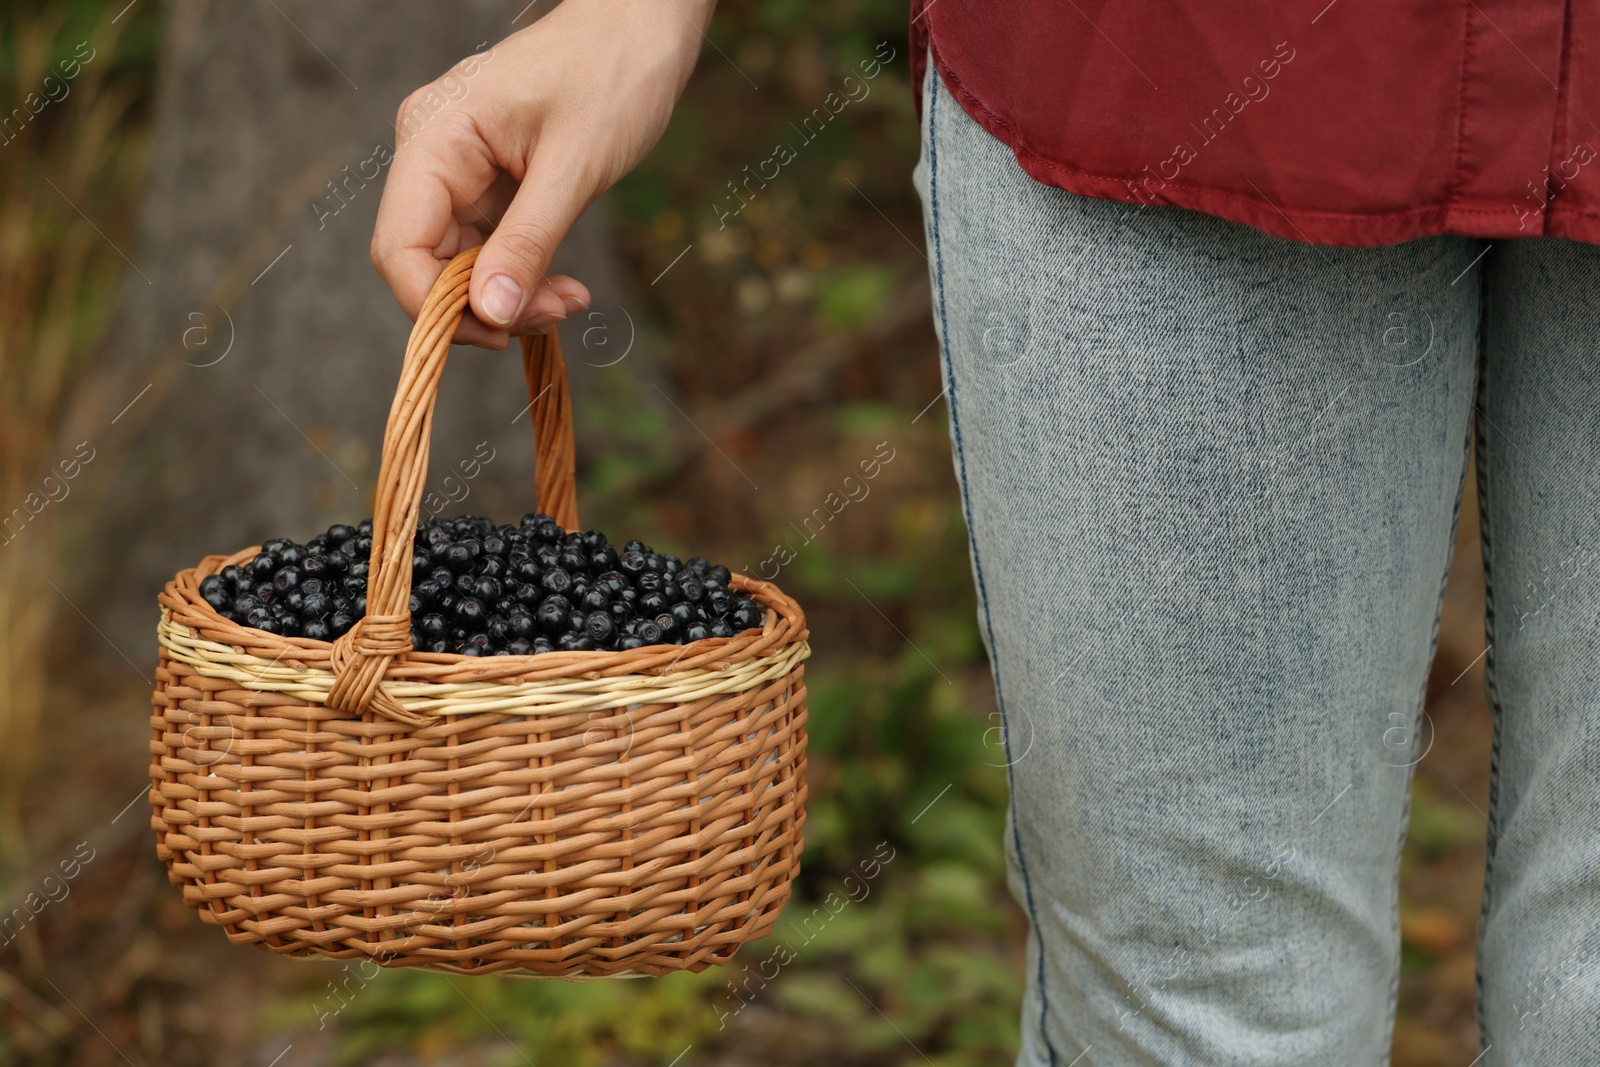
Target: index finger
[417,231]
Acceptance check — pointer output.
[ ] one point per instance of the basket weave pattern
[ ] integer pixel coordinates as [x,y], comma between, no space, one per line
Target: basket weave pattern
[571,814]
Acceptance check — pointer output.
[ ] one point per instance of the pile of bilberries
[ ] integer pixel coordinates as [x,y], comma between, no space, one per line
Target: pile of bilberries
[478,589]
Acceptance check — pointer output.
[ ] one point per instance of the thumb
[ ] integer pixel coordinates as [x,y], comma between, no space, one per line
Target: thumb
[509,285]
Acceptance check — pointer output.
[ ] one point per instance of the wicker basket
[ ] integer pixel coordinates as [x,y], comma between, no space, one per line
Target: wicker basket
[568,814]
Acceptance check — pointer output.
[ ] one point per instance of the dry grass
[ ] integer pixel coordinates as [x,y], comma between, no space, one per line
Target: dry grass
[75,158]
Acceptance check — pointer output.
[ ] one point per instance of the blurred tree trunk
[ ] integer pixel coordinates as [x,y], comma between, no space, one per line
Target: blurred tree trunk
[271,344]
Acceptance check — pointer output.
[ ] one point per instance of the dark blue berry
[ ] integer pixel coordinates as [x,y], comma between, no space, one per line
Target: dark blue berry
[746,615]
[599,627]
[553,614]
[469,610]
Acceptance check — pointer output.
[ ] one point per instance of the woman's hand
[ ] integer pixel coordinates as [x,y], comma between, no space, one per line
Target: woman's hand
[514,143]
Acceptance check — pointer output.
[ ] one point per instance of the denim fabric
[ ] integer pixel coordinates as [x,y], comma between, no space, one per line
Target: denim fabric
[1212,480]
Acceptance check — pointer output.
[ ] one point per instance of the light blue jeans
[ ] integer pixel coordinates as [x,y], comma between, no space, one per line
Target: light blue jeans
[1212,480]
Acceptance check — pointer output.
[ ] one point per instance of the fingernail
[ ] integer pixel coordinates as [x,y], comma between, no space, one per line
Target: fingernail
[547,305]
[502,299]
[574,304]
[544,319]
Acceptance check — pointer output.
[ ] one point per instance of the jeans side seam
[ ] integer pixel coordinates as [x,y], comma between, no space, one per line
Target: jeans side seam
[1492,694]
[977,566]
[1422,699]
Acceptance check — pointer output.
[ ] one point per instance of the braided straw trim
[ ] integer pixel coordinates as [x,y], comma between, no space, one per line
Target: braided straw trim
[213,659]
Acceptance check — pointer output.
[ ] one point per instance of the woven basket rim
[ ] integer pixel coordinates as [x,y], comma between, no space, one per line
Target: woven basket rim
[785,625]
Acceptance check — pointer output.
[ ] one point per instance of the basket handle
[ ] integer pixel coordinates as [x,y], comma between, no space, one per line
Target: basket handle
[362,656]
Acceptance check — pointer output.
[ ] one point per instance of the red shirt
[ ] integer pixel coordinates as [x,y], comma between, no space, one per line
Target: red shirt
[1355,122]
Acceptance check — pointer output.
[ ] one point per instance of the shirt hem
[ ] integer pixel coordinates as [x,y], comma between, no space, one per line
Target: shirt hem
[1295,224]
